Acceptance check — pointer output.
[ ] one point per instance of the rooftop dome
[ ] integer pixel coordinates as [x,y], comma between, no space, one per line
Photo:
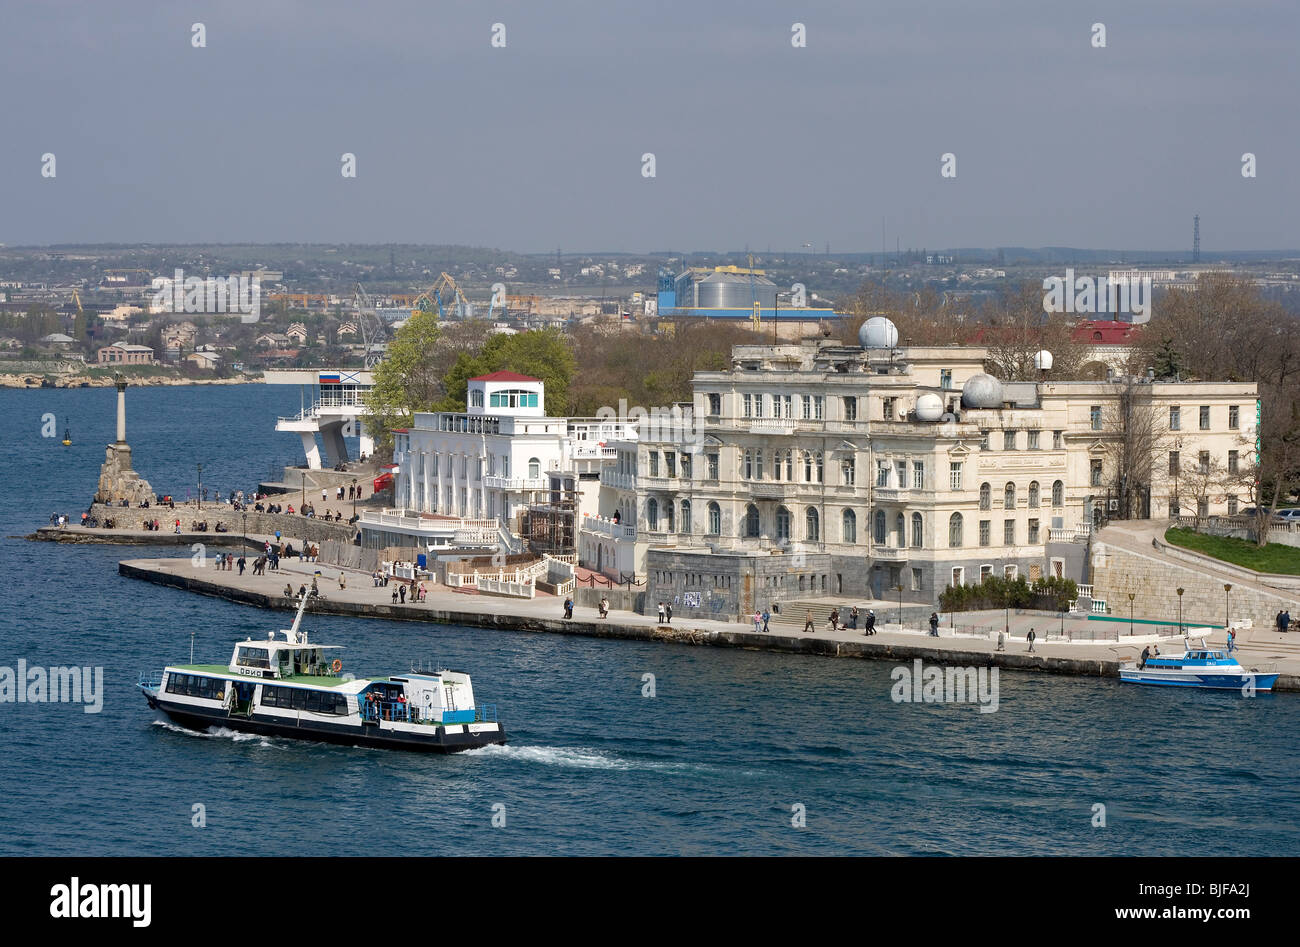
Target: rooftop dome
[878,333]
[981,391]
[1043,361]
[929,407]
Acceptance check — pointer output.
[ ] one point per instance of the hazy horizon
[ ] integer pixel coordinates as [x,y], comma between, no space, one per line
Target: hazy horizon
[757,143]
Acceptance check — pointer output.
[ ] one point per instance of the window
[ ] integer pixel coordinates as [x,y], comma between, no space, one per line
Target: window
[534,468]
[958,574]
[758,463]
[670,461]
[786,407]
[918,475]
[476,398]
[918,530]
[1203,462]
[686,517]
[715,405]
[711,461]
[986,497]
[1009,496]
[1173,463]
[686,466]
[900,530]
[985,531]
[954,531]
[1232,506]
[1058,494]
[1033,532]
[1233,462]
[1234,417]
[652,513]
[758,405]
[900,471]
[945,379]
[805,407]
[747,466]
[986,573]
[847,472]
[751,521]
[850,409]
[1094,417]
[654,463]
[819,407]
[984,440]
[916,580]
[812,525]
[1203,506]
[1056,440]
[849,526]
[788,456]
[879,527]
[747,401]
[888,408]
[1205,417]
[819,467]
[1031,440]
[1008,532]
[513,398]
[1175,418]
[715,520]
[882,473]
[1033,494]
[954,475]
[1094,477]
[1008,440]
[782,523]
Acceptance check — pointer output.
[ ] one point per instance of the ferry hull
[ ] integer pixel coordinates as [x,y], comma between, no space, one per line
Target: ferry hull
[368,735]
[1210,681]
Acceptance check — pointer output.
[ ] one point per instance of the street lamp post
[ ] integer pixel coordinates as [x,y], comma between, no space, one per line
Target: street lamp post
[200,494]
[1130,613]
[303,501]
[354,498]
[899,589]
[1180,609]
[245,515]
[1227,587]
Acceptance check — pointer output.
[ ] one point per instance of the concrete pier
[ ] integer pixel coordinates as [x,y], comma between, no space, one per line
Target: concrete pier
[362,599]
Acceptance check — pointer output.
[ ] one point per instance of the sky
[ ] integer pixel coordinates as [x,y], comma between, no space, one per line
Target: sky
[539,144]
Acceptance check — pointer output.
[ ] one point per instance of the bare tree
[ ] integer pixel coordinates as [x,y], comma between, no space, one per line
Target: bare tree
[1132,436]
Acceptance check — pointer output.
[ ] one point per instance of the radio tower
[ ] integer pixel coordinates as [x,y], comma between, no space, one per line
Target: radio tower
[1196,239]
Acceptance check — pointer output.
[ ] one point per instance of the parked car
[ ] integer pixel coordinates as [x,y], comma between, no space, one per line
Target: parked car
[1289,513]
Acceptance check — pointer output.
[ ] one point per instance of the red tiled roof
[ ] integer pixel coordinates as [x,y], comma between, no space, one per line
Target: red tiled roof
[1105,332]
[505,376]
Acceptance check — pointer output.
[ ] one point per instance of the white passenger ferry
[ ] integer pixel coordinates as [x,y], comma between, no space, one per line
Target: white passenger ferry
[292,688]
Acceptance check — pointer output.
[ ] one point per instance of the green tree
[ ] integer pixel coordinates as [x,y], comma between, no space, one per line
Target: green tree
[407,380]
[541,353]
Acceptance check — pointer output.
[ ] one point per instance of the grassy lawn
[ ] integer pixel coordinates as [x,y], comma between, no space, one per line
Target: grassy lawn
[1275,558]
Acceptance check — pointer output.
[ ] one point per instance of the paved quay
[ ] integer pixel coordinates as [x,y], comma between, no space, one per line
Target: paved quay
[362,599]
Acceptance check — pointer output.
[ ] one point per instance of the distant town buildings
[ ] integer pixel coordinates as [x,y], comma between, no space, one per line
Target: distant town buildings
[126,354]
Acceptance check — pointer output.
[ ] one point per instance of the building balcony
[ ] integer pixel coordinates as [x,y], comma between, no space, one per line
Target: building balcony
[772,425]
[515,483]
[604,526]
[770,490]
[620,481]
[891,494]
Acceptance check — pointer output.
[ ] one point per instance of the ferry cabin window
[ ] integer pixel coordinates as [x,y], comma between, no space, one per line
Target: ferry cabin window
[196,685]
[298,698]
[254,657]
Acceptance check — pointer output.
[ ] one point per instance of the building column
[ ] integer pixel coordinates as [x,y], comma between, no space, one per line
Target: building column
[310,448]
[121,410]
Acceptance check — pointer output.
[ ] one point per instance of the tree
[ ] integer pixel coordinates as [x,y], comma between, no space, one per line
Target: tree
[541,353]
[1132,434]
[407,380]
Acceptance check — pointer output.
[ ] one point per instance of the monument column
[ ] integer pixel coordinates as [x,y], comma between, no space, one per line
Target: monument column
[121,408]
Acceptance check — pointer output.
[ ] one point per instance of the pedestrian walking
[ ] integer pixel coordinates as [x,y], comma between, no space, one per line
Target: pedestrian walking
[871,623]
[568,608]
[853,618]
[1286,621]
[767,617]
[668,612]
[401,594]
[934,624]
[1277,623]
[808,622]
[758,621]
[242,563]
[835,619]
[1030,638]
[661,613]
[1232,637]
[1002,641]
[604,607]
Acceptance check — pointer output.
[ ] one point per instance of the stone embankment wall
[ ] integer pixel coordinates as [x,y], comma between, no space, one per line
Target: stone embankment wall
[1154,576]
[291,526]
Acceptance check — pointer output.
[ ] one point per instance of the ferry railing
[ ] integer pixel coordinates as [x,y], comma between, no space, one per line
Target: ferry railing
[152,680]
[376,710]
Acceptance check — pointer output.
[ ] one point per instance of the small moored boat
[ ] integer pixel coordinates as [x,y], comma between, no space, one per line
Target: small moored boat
[292,688]
[1197,667]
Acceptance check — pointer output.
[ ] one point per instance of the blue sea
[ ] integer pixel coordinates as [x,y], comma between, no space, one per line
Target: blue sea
[731,751]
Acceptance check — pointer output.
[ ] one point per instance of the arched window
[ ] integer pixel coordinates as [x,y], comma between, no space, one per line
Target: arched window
[812,524]
[820,470]
[652,513]
[849,526]
[686,517]
[715,519]
[1058,494]
[1009,496]
[807,466]
[1033,495]
[751,521]
[918,530]
[782,523]
[534,468]
[954,530]
[900,528]
[986,497]
[880,527]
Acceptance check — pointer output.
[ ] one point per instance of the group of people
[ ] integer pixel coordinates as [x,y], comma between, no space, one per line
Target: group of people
[1283,621]
[665,613]
[417,591]
[761,619]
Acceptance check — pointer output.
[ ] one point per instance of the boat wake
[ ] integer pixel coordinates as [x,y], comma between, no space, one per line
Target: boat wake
[576,758]
[214,733]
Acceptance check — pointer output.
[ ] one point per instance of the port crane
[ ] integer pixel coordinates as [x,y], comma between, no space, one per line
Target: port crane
[432,299]
[371,327]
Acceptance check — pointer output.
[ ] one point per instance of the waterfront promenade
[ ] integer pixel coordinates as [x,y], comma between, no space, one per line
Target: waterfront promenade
[544,614]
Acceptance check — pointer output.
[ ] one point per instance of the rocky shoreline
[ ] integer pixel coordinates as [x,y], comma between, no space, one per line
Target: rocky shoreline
[36,380]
